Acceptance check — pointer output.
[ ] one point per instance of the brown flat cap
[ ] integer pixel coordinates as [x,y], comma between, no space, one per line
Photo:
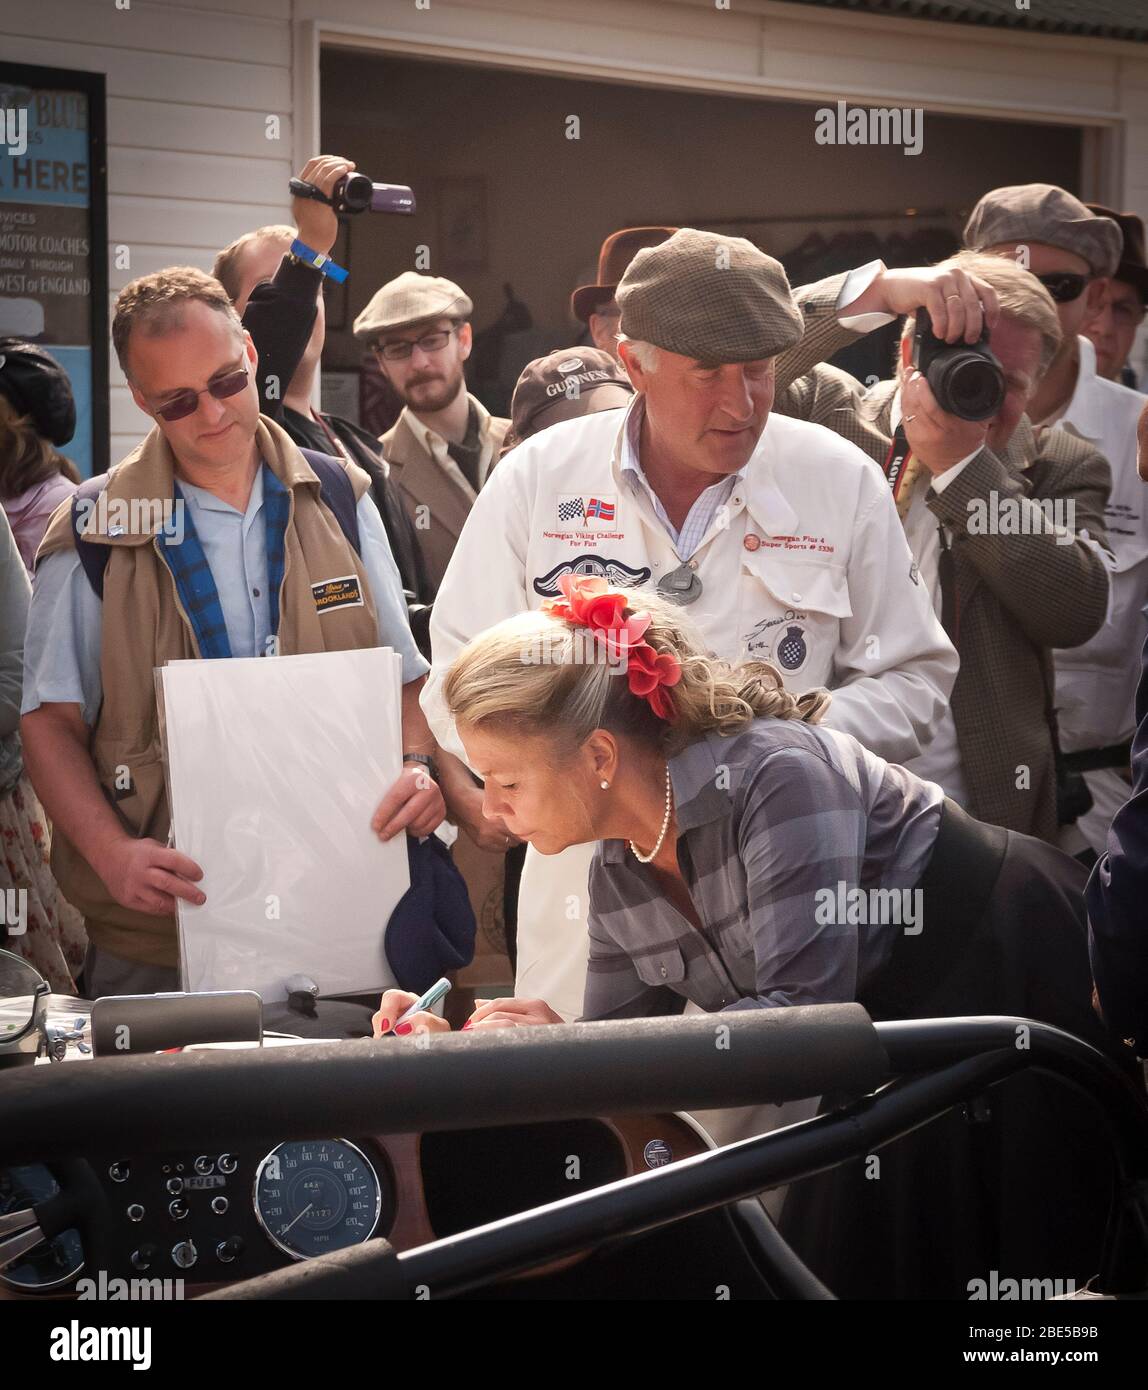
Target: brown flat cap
[1133,268]
[714,298]
[1042,212]
[410,298]
[562,386]
[618,250]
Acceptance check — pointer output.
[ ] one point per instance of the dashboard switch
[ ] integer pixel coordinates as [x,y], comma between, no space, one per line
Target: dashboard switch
[228,1250]
[228,1163]
[178,1210]
[135,1212]
[143,1257]
[204,1165]
[219,1206]
[184,1255]
[120,1172]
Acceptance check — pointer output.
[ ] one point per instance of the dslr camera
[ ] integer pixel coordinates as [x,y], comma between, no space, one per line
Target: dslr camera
[966,379]
[356,193]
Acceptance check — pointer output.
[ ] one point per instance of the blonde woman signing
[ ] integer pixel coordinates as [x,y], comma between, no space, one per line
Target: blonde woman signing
[748,858]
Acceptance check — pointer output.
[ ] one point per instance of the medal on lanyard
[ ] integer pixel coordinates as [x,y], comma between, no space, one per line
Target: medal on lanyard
[681,586]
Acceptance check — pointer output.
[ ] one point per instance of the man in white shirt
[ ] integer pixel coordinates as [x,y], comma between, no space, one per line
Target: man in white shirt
[780,537]
[1070,250]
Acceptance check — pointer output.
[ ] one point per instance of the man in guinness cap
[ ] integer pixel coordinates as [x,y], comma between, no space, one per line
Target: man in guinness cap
[563,385]
[781,537]
[1071,250]
[596,305]
[441,447]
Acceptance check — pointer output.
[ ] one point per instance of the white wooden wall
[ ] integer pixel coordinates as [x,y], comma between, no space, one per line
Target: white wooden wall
[191,85]
[189,89]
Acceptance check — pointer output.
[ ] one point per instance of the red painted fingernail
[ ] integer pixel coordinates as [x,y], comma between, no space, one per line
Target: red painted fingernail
[384,1025]
[403,1028]
[466,1025]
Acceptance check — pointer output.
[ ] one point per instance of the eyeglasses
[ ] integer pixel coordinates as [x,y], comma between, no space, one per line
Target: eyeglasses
[400,351]
[1064,285]
[183,403]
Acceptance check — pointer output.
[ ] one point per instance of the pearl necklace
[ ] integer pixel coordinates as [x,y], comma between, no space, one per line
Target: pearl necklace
[653,854]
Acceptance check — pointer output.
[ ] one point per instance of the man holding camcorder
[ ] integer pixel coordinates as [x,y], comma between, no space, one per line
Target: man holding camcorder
[1005,533]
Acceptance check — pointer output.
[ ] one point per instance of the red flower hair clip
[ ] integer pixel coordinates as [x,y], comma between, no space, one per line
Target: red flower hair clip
[587,602]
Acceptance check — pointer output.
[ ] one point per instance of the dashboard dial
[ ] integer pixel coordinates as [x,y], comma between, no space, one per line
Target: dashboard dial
[52,1263]
[317,1195]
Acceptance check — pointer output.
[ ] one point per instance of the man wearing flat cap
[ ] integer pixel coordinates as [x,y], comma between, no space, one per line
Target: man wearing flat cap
[444,442]
[780,537]
[1071,250]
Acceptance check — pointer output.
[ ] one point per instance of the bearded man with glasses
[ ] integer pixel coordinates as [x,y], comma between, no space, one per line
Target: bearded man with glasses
[1072,250]
[273,552]
[443,445]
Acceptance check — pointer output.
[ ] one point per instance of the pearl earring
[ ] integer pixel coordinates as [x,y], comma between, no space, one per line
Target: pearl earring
[604,784]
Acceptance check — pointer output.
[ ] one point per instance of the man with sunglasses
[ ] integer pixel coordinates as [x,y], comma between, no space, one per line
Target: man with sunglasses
[273,553]
[445,442]
[1071,251]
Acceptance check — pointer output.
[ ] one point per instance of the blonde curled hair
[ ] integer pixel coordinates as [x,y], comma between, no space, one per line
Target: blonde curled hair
[536,674]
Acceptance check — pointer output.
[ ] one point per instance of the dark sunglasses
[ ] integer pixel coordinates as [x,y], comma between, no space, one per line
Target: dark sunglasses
[1064,286]
[183,403]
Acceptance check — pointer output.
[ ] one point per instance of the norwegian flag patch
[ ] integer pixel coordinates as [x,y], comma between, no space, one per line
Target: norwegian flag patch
[592,511]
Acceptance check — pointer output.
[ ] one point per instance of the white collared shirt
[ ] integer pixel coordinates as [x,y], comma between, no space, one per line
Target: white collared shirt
[1096,682]
[437,447]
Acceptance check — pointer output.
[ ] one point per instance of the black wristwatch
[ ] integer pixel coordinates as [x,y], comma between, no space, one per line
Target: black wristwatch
[426,760]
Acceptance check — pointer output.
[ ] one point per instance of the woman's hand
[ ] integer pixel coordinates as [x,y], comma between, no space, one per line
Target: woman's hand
[393,1005]
[511,1013]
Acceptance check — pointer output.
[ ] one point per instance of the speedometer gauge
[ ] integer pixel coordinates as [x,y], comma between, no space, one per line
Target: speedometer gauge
[317,1195]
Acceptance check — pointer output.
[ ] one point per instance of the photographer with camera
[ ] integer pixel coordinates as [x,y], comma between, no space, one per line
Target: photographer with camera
[1071,250]
[279,295]
[1005,532]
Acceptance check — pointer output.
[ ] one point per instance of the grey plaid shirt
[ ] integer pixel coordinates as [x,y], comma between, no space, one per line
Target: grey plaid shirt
[776,825]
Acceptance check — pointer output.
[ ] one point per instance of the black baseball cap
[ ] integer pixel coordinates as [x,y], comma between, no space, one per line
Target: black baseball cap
[37,386]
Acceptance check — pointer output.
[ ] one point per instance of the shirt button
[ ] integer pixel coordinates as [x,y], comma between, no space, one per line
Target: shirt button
[796,596]
[255,592]
[663,971]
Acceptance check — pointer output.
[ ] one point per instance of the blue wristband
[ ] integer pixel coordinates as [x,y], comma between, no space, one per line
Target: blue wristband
[318,261]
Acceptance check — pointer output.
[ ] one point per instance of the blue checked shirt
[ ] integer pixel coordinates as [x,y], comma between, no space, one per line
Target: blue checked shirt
[776,824]
[702,513]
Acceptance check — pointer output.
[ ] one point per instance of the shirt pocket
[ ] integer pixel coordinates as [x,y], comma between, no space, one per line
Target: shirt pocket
[664,966]
[791,614]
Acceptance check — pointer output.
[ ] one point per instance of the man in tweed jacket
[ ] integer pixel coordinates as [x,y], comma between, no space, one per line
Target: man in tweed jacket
[1010,595]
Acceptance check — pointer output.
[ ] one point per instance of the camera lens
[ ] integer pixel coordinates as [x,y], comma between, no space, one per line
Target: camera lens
[966,384]
[356,193]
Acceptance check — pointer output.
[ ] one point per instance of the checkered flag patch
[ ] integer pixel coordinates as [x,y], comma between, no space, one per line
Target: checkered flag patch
[567,511]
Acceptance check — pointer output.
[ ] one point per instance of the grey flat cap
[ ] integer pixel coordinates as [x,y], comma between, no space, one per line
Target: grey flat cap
[411,298]
[1042,212]
[715,298]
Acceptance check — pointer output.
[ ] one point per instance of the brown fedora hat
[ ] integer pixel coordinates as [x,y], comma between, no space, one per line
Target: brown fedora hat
[1133,268]
[618,250]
